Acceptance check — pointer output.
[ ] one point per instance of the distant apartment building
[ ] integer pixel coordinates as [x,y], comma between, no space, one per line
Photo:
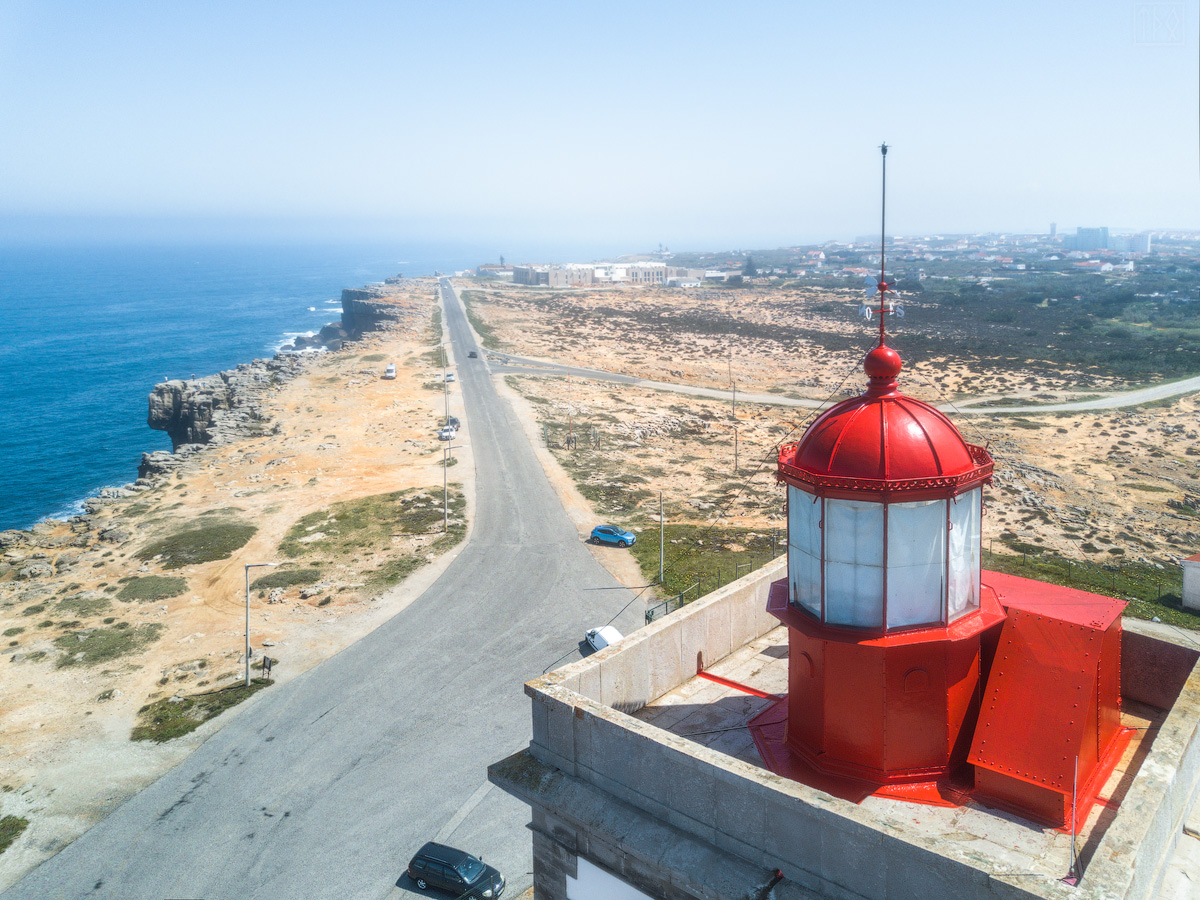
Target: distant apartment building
[495,271]
[1091,238]
[572,275]
[531,275]
[1130,243]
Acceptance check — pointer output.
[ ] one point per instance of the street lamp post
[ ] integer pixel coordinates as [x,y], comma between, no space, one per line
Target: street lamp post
[250,566]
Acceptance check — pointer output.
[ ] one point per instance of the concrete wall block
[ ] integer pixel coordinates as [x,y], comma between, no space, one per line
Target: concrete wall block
[842,841]
[751,854]
[587,683]
[693,639]
[540,716]
[912,871]
[703,830]
[551,865]
[664,663]
[740,807]
[792,832]
[625,681]
[719,641]
[560,730]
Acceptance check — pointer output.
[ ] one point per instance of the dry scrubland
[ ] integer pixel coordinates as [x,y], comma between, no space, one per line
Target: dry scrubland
[140,606]
[1113,492]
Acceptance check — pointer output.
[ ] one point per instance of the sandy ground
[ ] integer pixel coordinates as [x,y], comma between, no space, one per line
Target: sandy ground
[66,757]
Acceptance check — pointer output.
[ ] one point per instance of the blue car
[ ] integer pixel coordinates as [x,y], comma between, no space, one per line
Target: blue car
[611,534]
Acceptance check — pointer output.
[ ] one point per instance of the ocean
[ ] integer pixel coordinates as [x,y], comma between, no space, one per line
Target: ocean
[88,330]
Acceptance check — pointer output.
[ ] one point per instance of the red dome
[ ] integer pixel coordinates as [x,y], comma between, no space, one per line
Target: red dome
[883,442]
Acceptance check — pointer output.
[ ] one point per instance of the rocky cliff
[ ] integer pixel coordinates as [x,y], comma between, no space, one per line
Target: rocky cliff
[217,408]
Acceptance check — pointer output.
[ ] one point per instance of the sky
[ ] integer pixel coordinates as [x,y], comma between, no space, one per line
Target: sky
[690,124]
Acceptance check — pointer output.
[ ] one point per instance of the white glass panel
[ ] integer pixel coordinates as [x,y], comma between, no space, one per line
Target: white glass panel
[965,514]
[916,562]
[854,563]
[804,549]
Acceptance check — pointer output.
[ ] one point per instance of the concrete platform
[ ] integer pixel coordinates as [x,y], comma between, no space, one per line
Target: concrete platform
[716,716]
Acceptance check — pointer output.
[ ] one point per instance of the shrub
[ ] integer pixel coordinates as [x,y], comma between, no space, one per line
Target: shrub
[165,720]
[286,578]
[10,829]
[152,587]
[199,544]
[103,644]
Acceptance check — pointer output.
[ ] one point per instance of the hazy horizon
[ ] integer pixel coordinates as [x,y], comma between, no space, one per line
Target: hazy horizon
[698,125]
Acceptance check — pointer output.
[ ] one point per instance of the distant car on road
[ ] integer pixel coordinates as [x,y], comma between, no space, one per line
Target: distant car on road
[599,638]
[390,371]
[447,869]
[611,534]
[473,355]
[450,377]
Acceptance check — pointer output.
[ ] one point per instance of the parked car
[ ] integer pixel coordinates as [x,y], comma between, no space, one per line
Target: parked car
[447,869]
[611,534]
[390,371]
[473,355]
[450,377]
[599,638]
[453,422]
[447,433]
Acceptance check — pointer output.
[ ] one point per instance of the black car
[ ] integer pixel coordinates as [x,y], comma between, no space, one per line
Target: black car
[442,867]
[472,355]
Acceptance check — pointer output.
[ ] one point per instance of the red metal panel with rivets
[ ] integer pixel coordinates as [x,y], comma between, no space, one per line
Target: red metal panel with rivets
[806,688]
[854,704]
[1039,706]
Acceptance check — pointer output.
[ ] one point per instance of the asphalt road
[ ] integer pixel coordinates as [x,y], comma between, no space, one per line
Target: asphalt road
[518,365]
[325,786]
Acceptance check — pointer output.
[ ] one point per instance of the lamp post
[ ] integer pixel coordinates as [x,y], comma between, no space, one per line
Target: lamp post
[250,566]
[445,383]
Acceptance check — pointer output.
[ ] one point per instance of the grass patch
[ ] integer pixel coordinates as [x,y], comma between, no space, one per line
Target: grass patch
[85,606]
[705,556]
[164,720]
[12,632]
[10,829]
[199,544]
[372,357]
[100,645]
[1151,592]
[148,588]
[1151,488]
[286,578]
[33,610]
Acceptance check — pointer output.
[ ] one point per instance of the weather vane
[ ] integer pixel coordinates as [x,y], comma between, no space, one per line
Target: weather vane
[883,287]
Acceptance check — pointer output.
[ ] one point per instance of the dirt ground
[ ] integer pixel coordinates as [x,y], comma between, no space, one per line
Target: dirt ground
[343,433]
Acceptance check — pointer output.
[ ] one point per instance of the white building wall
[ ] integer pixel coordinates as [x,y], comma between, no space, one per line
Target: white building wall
[593,883]
[1191,584]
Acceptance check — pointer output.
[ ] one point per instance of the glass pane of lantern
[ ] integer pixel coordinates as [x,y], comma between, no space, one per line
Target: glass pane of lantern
[916,562]
[965,513]
[804,549]
[854,563]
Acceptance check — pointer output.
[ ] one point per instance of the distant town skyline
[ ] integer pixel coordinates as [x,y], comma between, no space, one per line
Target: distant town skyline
[695,125]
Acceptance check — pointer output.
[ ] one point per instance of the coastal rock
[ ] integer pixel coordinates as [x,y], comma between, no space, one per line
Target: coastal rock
[36,570]
[115,535]
[12,538]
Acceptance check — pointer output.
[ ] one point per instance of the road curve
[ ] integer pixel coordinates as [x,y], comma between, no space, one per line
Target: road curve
[324,787]
[517,365]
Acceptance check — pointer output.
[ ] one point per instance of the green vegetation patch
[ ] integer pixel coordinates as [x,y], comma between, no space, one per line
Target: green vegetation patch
[487,334]
[368,523]
[1151,592]
[85,605]
[10,829]
[167,719]
[699,558]
[199,544]
[99,645]
[148,588]
[285,578]
[1152,488]
[372,357]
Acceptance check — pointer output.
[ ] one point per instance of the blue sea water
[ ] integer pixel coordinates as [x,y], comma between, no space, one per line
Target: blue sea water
[89,329]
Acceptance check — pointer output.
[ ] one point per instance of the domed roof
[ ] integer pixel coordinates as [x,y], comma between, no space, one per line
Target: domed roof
[883,442]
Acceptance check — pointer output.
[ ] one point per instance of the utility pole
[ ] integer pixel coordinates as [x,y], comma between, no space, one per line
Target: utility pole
[446,485]
[445,385]
[732,386]
[661,535]
[735,450]
[570,416]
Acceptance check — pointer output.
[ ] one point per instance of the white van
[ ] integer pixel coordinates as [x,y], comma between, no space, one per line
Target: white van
[390,371]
